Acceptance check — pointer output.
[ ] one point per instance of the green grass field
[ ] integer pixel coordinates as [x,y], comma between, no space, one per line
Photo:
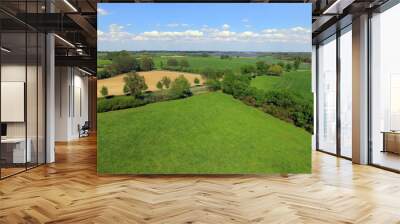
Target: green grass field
[297,82]
[200,63]
[101,63]
[211,133]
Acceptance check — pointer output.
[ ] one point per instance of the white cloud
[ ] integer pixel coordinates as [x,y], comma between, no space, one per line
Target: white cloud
[172,25]
[269,30]
[225,27]
[102,12]
[115,27]
[300,29]
[225,33]
[248,34]
[245,20]
[159,35]
[116,33]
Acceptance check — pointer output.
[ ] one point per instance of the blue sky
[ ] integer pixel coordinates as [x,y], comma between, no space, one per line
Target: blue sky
[223,27]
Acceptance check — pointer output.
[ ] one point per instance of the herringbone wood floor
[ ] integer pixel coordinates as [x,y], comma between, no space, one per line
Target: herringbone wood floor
[70,191]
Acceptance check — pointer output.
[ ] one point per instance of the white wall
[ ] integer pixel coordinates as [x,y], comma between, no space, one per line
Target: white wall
[62,81]
[71,102]
[14,72]
[313,90]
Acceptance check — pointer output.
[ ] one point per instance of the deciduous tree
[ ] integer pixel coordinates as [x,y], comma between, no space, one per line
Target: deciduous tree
[172,62]
[104,91]
[180,88]
[275,70]
[184,63]
[166,81]
[146,63]
[135,83]
[159,85]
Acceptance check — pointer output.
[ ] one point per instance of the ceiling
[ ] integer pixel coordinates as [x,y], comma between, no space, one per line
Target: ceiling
[74,22]
[330,15]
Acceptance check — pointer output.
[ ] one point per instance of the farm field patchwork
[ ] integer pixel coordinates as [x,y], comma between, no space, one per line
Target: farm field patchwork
[207,133]
[115,84]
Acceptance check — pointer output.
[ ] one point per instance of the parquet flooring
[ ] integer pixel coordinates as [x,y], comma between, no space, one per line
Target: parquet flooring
[70,191]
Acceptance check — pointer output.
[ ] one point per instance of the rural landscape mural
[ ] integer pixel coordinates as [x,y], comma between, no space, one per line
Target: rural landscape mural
[204,88]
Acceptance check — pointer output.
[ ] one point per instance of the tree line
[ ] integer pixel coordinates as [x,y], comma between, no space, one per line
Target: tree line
[123,62]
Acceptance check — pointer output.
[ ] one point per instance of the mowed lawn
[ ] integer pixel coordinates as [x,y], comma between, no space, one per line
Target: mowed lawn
[297,82]
[210,133]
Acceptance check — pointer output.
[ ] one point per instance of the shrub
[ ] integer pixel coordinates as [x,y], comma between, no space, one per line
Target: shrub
[267,67]
[118,103]
[213,84]
[180,88]
[104,91]
[208,73]
[261,67]
[275,70]
[103,74]
[146,63]
[112,69]
[166,81]
[184,63]
[236,85]
[288,67]
[196,81]
[258,95]
[159,85]
[125,90]
[241,86]
[125,62]
[135,83]
[228,83]
[249,100]
[277,112]
[248,70]
[225,56]
[302,115]
[281,99]
[172,62]
[296,64]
